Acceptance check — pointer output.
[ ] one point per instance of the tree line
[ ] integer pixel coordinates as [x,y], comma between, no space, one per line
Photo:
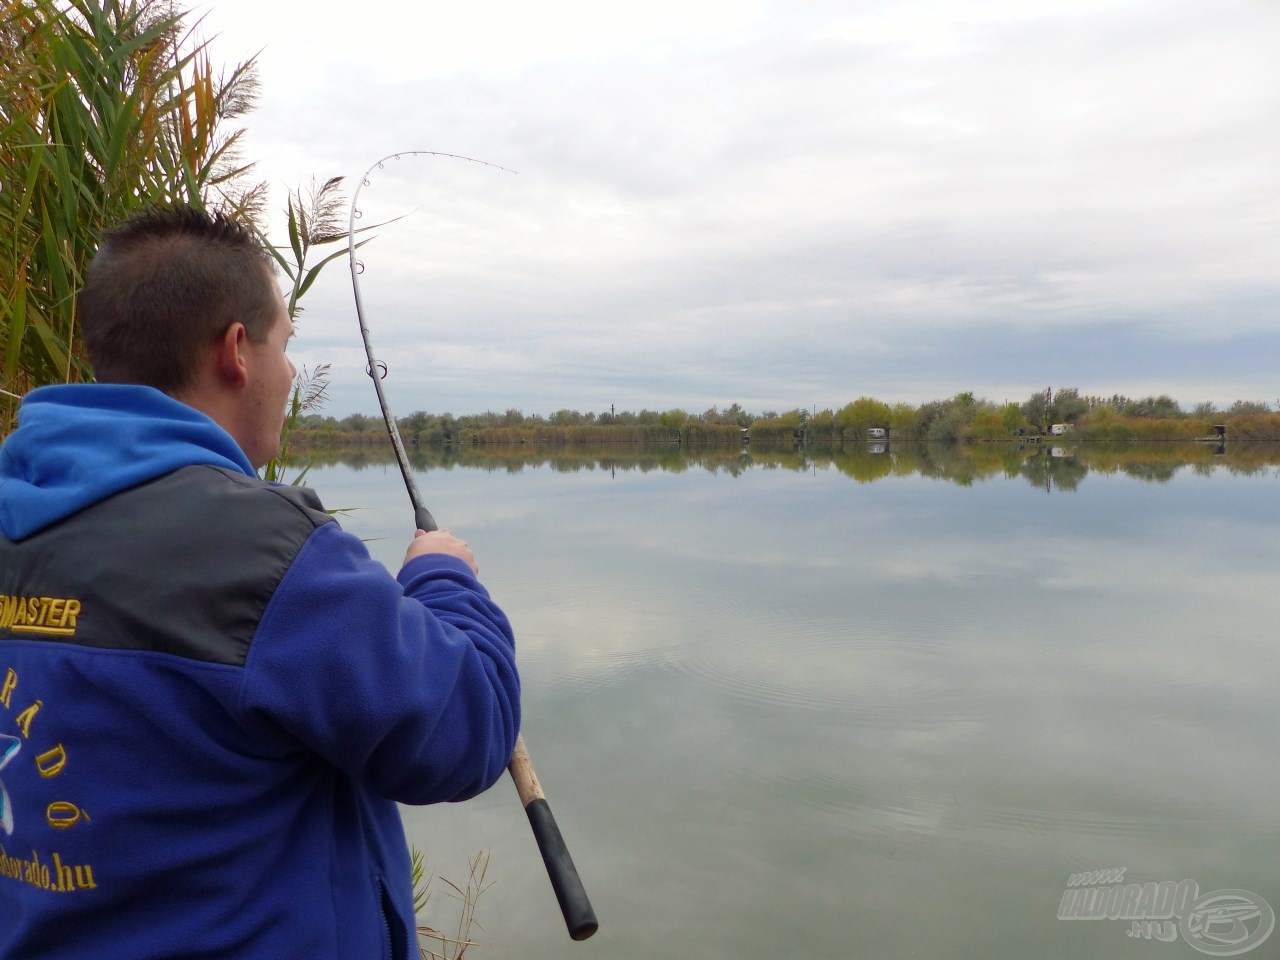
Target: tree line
[963,417]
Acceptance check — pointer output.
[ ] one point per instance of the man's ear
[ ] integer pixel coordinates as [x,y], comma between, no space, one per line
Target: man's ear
[232,364]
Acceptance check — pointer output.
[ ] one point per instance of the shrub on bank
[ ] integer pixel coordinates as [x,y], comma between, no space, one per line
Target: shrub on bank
[1254,426]
[1142,428]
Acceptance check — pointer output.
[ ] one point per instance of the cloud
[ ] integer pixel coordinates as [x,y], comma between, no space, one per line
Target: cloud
[719,201]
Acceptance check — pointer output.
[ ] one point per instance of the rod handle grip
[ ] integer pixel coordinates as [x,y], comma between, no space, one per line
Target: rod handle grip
[579,917]
[575,907]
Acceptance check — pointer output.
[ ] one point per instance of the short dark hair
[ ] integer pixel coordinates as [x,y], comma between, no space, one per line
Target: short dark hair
[166,283]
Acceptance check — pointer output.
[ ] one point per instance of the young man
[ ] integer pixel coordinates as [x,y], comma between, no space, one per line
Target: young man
[211,698]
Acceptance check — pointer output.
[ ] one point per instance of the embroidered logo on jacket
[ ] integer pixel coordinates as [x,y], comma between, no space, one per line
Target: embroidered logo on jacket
[55,616]
[45,872]
[8,747]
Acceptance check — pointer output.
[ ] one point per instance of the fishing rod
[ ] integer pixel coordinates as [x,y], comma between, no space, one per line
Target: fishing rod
[579,917]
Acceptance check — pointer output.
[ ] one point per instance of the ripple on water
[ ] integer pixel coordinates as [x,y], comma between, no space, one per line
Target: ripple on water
[870,805]
[779,657]
[778,654]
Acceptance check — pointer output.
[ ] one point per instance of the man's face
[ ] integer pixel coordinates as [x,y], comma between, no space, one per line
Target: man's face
[270,386]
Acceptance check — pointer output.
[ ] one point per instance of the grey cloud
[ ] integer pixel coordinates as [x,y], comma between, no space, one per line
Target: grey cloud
[900,199]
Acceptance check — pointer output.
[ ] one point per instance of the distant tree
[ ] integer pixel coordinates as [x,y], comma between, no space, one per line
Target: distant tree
[856,418]
[1249,406]
[824,418]
[1068,406]
[1117,402]
[673,419]
[987,424]
[1037,410]
[358,423]
[902,418]
[414,426]
[794,419]
[925,416]
[1161,407]
[1011,418]
[951,424]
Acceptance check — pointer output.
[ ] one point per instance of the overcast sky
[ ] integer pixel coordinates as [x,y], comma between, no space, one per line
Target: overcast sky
[784,205]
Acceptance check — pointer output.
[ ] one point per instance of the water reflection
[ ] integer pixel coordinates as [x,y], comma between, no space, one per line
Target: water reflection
[780,713]
[1053,468]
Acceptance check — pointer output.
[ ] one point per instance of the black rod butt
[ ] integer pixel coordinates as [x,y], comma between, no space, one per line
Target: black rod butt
[574,905]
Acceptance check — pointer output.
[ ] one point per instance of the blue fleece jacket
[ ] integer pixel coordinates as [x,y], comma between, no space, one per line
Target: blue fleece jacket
[163,801]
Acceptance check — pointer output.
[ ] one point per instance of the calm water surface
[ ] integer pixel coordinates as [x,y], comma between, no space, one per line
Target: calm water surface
[872,702]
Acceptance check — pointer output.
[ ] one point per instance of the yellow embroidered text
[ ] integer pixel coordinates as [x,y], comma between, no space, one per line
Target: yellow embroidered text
[55,876]
[47,615]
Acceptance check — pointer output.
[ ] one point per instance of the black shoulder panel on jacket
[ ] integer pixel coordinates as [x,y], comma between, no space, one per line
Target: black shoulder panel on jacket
[184,564]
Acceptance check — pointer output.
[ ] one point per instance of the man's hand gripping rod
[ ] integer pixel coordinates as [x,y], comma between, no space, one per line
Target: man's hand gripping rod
[572,896]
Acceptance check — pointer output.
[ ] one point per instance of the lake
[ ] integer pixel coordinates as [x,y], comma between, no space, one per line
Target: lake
[871,701]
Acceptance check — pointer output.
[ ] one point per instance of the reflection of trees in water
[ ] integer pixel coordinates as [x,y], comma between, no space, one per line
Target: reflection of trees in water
[962,464]
[865,467]
[1062,473]
[959,463]
[1152,472]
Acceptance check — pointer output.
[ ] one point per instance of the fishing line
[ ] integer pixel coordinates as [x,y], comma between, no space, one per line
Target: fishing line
[578,914]
[422,515]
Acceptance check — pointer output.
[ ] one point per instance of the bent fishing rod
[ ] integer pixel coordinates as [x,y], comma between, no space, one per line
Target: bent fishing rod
[579,917]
